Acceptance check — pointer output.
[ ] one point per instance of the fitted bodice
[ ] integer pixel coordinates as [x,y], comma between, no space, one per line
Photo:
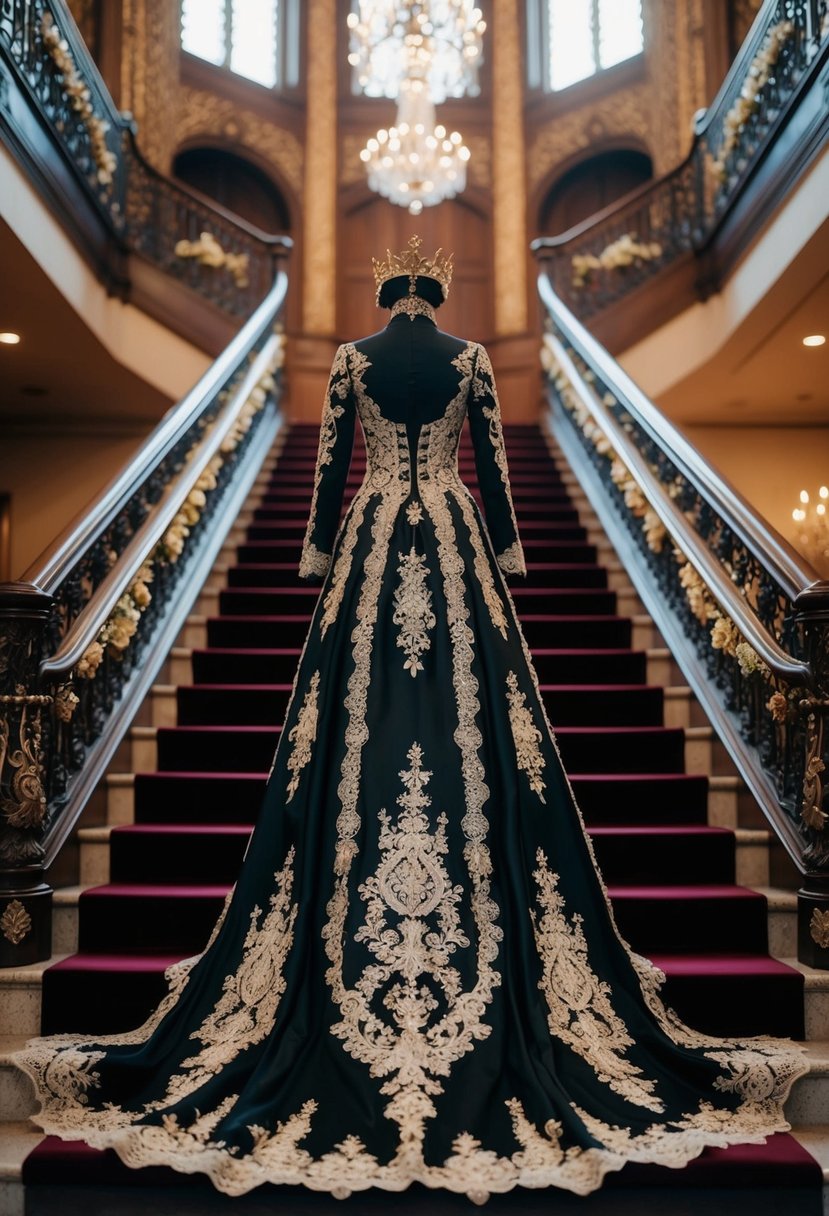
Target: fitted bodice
[411,383]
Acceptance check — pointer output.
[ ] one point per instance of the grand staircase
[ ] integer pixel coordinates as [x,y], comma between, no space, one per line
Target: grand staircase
[684,853]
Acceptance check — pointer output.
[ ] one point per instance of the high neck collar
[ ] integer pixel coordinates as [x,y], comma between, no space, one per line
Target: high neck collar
[413,306]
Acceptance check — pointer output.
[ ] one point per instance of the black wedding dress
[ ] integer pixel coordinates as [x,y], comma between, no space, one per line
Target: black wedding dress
[417,977]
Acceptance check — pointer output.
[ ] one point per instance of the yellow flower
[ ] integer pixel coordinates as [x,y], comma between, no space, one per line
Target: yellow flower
[141,594]
[725,635]
[90,661]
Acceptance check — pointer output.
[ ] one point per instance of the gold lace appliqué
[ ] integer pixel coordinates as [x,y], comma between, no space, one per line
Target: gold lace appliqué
[580,1012]
[511,560]
[414,306]
[312,560]
[526,735]
[414,513]
[413,609]
[303,734]
[419,1044]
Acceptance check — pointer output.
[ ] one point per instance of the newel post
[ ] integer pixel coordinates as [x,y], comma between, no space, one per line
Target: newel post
[25,898]
[812,615]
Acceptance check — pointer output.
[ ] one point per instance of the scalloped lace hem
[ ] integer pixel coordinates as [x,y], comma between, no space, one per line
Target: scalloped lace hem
[277,1157]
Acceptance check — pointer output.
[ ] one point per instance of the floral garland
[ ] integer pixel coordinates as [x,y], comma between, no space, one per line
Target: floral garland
[208,252]
[757,77]
[122,624]
[724,635]
[79,97]
[621,253]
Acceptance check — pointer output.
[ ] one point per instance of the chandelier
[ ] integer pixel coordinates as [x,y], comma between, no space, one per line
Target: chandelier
[415,163]
[812,519]
[439,41]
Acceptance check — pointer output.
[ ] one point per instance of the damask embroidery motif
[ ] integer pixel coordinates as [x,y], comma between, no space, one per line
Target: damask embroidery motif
[411,883]
[414,513]
[303,735]
[526,735]
[413,609]
[580,1011]
[245,1013]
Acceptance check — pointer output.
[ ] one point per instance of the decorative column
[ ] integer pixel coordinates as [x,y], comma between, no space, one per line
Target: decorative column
[509,183]
[319,223]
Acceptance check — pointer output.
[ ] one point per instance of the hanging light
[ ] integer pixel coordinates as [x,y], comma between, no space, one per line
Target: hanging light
[439,41]
[415,163]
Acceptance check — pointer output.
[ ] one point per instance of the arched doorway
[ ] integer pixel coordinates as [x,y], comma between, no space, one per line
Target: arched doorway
[590,186]
[236,184]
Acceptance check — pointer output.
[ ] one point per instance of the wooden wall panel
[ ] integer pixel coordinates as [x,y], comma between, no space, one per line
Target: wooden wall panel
[372,225]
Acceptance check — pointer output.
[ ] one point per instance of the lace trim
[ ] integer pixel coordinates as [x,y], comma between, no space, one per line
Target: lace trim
[338,387]
[313,561]
[526,736]
[413,609]
[303,735]
[246,1011]
[414,306]
[580,1012]
[483,386]
[511,560]
[388,472]
[414,513]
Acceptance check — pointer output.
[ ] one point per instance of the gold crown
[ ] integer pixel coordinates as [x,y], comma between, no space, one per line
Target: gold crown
[409,262]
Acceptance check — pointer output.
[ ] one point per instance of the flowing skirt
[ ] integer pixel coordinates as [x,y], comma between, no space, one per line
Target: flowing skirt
[417,977]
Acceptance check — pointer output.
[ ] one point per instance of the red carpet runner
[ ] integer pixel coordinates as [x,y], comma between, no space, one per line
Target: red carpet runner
[671,876]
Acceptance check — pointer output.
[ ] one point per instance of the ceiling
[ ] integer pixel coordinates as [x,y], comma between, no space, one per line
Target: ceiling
[763,374]
[60,372]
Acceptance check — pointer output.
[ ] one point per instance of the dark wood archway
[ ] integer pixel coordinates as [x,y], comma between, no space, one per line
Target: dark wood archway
[591,185]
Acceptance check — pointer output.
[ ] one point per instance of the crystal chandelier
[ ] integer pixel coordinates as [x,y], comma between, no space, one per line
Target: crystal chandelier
[439,41]
[415,163]
[812,519]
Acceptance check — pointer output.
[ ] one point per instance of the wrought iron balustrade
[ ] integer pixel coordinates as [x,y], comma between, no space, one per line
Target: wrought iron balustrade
[603,259]
[745,616]
[43,55]
[84,633]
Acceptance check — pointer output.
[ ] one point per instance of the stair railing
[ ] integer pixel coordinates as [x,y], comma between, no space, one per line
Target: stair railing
[680,214]
[54,102]
[86,630]
[745,616]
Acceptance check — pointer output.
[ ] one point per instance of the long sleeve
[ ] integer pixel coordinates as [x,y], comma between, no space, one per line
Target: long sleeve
[491,464]
[333,460]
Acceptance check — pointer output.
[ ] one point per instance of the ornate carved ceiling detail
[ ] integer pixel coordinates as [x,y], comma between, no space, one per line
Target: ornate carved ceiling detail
[626,113]
[209,115]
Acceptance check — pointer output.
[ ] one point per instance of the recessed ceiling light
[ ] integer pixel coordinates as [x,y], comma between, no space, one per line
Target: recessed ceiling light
[9,339]
[814,340]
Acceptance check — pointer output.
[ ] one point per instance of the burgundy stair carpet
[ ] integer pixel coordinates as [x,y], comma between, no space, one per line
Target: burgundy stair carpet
[670,875]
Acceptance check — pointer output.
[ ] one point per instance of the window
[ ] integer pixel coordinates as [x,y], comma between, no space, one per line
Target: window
[257,39]
[570,40]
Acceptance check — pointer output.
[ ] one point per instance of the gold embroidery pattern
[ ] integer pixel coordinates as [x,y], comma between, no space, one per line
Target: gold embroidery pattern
[412,883]
[388,473]
[312,560]
[413,609]
[481,564]
[303,735]
[437,465]
[483,385]
[580,1012]
[414,513]
[246,1011]
[414,306]
[526,735]
[511,560]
